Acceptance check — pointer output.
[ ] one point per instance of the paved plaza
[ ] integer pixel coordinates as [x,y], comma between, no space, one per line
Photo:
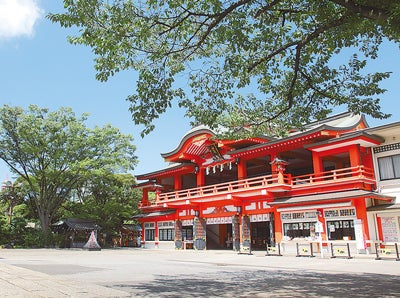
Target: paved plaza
[168,273]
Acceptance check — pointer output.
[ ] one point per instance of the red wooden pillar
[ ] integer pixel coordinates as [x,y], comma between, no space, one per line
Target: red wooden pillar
[242,171]
[145,197]
[361,211]
[366,157]
[354,152]
[156,233]
[355,158]
[317,163]
[278,226]
[201,177]
[177,182]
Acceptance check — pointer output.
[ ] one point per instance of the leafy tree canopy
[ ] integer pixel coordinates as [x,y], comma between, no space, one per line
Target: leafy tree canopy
[265,64]
[107,198]
[54,152]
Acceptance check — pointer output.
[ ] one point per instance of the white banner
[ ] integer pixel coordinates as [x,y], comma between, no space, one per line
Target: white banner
[219,220]
[259,217]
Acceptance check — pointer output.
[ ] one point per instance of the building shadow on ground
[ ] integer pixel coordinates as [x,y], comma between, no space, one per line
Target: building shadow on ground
[263,283]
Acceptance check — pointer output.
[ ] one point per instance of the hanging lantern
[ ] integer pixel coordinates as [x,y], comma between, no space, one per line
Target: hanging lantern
[280,164]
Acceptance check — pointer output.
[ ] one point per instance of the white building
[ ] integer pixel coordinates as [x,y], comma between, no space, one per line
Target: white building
[386,159]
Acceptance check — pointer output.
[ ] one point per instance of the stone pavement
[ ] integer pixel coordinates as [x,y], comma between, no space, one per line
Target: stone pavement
[21,282]
[107,273]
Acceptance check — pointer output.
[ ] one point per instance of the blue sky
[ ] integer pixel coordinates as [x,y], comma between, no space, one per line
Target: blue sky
[38,66]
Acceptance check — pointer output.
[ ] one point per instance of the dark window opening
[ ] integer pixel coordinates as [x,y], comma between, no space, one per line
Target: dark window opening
[187,233]
[298,229]
[149,234]
[339,229]
[166,234]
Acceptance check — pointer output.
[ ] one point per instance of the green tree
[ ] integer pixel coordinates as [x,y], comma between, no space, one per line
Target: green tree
[54,152]
[12,193]
[264,64]
[17,214]
[107,198]
[15,233]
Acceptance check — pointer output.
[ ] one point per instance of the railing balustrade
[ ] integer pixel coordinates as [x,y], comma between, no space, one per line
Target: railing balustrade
[267,181]
[338,174]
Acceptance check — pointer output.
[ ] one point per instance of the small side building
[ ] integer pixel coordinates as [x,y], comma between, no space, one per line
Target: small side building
[75,232]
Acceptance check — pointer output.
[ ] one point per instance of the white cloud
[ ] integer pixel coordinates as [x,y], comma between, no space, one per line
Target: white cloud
[18,17]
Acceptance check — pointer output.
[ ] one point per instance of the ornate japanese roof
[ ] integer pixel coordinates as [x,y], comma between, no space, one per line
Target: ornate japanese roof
[172,168]
[199,146]
[355,137]
[340,121]
[154,214]
[332,127]
[389,131]
[76,224]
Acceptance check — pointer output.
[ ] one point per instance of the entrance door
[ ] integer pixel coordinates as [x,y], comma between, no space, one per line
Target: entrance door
[219,236]
[260,235]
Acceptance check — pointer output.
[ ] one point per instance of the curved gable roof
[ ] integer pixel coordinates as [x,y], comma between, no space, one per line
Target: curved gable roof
[195,146]
[314,132]
[170,170]
[340,122]
[195,137]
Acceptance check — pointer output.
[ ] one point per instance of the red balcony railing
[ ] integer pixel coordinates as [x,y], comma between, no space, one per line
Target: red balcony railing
[339,174]
[269,182]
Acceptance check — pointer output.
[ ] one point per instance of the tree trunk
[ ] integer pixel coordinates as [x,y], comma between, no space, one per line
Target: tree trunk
[45,226]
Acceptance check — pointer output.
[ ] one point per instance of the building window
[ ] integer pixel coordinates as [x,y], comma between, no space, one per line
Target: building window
[187,233]
[166,234]
[340,230]
[149,231]
[149,234]
[299,229]
[389,167]
[166,230]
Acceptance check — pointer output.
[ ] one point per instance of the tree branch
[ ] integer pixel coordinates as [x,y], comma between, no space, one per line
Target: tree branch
[369,12]
[265,8]
[313,87]
[271,55]
[214,23]
[297,62]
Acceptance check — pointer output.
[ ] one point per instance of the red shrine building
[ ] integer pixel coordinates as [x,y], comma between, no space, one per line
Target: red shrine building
[252,193]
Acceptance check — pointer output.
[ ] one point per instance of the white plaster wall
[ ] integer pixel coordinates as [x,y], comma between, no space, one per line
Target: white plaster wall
[387,187]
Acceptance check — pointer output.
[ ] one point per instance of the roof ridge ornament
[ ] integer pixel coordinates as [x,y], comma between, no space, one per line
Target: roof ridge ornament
[216,154]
